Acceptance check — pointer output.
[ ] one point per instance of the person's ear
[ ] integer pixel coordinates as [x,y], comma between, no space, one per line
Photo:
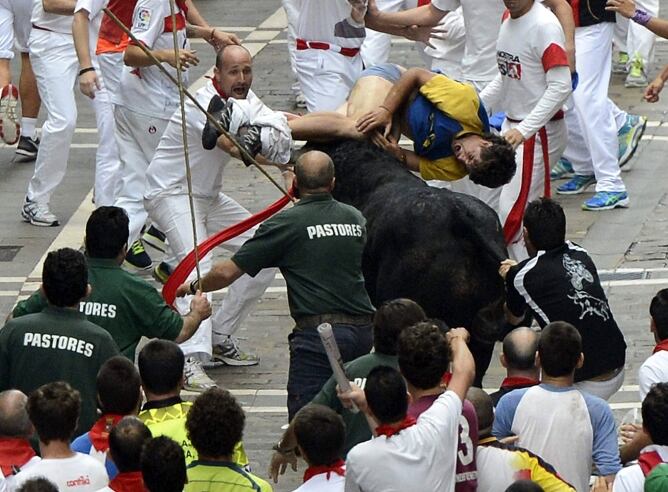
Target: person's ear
[332,184]
[89,289]
[652,325]
[581,361]
[502,359]
[537,359]
[409,398]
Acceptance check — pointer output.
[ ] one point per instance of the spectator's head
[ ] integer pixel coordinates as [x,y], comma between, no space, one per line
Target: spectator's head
[657,480]
[518,8]
[163,465]
[655,414]
[212,440]
[658,310]
[65,278]
[314,173]
[519,352]
[320,434]
[14,420]
[233,72]
[484,410]
[491,163]
[126,441]
[560,349]
[424,354]
[524,486]
[118,387]
[54,411]
[544,225]
[388,321]
[107,233]
[39,484]
[161,365]
[386,395]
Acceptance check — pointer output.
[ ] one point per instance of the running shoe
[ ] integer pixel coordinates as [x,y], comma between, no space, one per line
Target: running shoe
[629,137]
[38,214]
[155,238]
[162,272]
[10,130]
[577,184]
[607,200]
[27,148]
[222,112]
[137,257]
[195,378]
[637,77]
[229,353]
[300,100]
[620,64]
[562,170]
[250,139]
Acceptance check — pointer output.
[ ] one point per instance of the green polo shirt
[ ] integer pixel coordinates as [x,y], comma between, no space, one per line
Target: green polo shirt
[56,344]
[317,245]
[124,304]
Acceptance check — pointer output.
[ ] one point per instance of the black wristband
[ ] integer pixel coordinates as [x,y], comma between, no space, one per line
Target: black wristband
[84,70]
[194,286]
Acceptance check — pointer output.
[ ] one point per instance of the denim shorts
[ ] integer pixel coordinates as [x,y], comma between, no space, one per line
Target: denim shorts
[387,71]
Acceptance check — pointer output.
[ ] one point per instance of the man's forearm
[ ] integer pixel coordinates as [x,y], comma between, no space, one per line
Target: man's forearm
[60,7]
[191,322]
[81,41]
[463,367]
[427,15]
[221,275]
[193,16]
[410,80]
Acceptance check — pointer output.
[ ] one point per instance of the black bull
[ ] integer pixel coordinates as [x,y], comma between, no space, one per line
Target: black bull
[441,249]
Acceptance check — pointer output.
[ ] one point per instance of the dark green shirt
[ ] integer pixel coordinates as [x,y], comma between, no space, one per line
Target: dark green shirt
[357,428]
[57,344]
[317,245]
[124,304]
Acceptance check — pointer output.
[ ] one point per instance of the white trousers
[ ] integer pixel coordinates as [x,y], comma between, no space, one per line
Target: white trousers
[137,137]
[171,213]
[592,130]
[291,8]
[534,159]
[111,66]
[326,77]
[377,45]
[635,39]
[602,389]
[55,64]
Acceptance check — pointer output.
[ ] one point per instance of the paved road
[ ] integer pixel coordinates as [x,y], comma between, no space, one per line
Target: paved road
[629,245]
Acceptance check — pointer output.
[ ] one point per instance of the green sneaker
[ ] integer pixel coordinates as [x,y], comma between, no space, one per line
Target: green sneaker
[637,76]
[562,170]
[620,63]
[629,137]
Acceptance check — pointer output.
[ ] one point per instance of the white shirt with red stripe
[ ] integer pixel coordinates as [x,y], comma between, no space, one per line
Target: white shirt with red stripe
[147,90]
[50,22]
[632,478]
[329,21]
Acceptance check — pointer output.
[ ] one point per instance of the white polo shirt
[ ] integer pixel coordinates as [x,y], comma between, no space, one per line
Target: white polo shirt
[80,473]
[653,370]
[50,22]
[421,457]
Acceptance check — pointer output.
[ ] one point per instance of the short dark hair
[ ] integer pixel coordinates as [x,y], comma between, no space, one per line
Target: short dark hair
[126,441]
[65,277]
[38,484]
[161,365]
[658,310]
[520,356]
[423,354]
[524,486]
[14,419]
[388,321]
[559,348]
[655,414]
[321,434]
[545,222]
[312,176]
[163,465]
[203,423]
[118,386]
[497,163]
[54,411]
[107,232]
[385,392]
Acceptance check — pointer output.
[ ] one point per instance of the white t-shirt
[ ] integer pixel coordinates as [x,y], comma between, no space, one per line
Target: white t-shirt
[631,478]
[329,21]
[94,9]
[482,19]
[421,457]
[320,483]
[80,473]
[147,90]
[51,22]
[447,54]
[653,370]
[8,483]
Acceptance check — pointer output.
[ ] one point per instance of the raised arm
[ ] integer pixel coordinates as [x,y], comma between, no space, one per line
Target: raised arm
[627,8]
[463,365]
[426,15]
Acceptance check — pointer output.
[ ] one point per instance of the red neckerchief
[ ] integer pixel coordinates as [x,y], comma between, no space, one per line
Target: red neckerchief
[336,467]
[99,433]
[183,6]
[220,91]
[661,346]
[14,453]
[389,431]
[648,461]
[515,381]
[128,482]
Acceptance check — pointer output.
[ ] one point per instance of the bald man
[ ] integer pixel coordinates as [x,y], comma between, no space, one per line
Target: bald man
[16,454]
[519,359]
[317,245]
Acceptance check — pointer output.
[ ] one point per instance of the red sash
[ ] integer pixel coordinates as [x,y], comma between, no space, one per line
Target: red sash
[661,346]
[99,433]
[389,431]
[514,381]
[14,453]
[336,467]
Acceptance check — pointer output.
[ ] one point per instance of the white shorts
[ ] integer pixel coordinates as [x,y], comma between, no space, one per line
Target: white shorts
[14,27]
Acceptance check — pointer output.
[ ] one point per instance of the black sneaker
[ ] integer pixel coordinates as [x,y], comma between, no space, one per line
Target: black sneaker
[27,148]
[249,139]
[162,272]
[155,238]
[137,257]
[210,134]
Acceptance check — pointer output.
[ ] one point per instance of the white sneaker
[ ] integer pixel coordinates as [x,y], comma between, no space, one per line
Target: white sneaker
[195,378]
[300,100]
[38,214]
[10,130]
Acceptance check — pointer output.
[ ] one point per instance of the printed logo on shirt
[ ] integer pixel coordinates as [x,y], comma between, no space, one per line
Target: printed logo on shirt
[328,230]
[58,342]
[509,65]
[142,20]
[99,309]
[360,382]
[152,129]
[79,482]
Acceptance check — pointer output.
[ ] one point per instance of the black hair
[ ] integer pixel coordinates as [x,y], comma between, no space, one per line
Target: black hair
[385,392]
[545,222]
[107,232]
[54,411]
[658,310]
[126,441]
[423,354]
[118,386]
[65,277]
[497,163]
[520,356]
[559,348]
[161,365]
[388,321]
[38,484]
[524,486]
[163,465]
[655,414]
[320,433]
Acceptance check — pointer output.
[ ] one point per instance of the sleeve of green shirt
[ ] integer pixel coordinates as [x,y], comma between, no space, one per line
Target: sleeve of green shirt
[33,304]
[327,396]
[158,320]
[4,358]
[266,248]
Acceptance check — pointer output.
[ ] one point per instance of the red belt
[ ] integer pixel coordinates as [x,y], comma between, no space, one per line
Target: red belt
[559,115]
[317,45]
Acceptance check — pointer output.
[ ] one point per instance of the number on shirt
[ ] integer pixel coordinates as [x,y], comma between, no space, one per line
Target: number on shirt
[465,453]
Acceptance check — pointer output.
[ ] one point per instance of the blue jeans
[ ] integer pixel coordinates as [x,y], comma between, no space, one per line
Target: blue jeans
[309,366]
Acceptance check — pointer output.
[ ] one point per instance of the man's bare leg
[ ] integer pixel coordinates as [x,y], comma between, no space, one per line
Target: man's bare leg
[30,100]
[366,95]
[323,127]
[5,72]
